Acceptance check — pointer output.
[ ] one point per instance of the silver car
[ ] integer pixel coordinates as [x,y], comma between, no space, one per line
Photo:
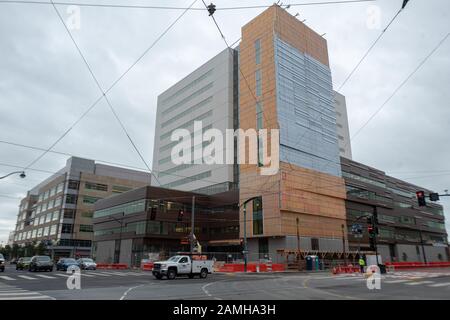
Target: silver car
[87,264]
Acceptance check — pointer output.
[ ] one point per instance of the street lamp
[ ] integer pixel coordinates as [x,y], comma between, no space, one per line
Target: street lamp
[22,174]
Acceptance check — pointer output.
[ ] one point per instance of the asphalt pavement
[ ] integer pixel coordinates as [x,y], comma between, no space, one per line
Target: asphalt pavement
[138,285]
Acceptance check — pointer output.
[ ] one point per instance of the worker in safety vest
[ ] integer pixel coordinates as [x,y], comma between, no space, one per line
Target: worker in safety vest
[362,263]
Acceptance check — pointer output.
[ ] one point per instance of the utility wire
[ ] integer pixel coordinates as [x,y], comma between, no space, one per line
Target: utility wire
[400,86]
[124,6]
[369,50]
[114,83]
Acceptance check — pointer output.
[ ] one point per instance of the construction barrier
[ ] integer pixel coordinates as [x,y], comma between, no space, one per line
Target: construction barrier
[147,266]
[346,269]
[252,267]
[414,265]
[113,266]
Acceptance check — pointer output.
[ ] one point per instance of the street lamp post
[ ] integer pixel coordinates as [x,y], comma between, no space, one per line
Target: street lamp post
[22,174]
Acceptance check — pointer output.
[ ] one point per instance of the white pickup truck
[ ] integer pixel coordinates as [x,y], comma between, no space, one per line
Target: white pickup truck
[182,265]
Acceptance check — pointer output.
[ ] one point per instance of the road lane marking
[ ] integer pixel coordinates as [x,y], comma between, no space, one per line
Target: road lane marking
[62,275]
[27,293]
[86,275]
[27,277]
[417,283]
[44,276]
[396,281]
[126,292]
[6,278]
[436,285]
[98,274]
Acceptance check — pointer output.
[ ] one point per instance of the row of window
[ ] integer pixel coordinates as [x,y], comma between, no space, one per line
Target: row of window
[363,179]
[187,124]
[51,192]
[187,87]
[180,182]
[127,208]
[188,98]
[186,112]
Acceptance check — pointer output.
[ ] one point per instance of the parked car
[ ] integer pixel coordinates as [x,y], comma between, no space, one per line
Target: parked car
[65,263]
[87,264]
[38,263]
[23,263]
[2,263]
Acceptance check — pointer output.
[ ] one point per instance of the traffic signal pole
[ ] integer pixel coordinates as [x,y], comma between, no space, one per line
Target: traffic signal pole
[192,224]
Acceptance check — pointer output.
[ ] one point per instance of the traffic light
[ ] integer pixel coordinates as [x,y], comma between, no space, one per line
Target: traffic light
[405,2]
[180,215]
[421,198]
[153,213]
[434,196]
[211,9]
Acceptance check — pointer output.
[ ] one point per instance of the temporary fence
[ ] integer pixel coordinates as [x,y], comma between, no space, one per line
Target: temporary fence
[115,266]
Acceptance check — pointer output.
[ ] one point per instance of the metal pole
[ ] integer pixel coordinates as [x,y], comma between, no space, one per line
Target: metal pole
[245,237]
[375,220]
[343,243]
[120,238]
[423,247]
[192,224]
[298,243]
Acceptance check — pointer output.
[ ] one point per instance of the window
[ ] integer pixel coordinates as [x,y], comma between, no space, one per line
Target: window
[55,216]
[90,200]
[46,230]
[48,217]
[86,228]
[258,51]
[257,217]
[71,199]
[60,187]
[58,201]
[67,228]
[39,232]
[33,233]
[96,186]
[69,213]
[314,244]
[258,83]
[120,189]
[74,184]
[53,229]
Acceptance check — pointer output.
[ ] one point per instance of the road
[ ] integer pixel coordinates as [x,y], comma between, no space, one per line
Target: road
[138,285]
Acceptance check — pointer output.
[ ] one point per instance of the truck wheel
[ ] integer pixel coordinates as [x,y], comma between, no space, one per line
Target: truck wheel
[158,276]
[191,276]
[171,274]
[204,273]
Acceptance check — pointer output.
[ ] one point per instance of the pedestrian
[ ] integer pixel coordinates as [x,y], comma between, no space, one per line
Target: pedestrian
[362,263]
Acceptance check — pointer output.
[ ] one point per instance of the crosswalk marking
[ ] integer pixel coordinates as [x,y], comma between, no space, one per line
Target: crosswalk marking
[62,275]
[418,283]
[26,298]
[6,278]
[436,285]
[14,293]
[44,276]
[27,277]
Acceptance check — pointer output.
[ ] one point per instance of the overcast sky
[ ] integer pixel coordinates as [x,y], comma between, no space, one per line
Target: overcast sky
[45,87]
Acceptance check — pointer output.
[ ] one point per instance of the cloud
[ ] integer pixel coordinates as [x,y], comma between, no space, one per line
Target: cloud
[44,85]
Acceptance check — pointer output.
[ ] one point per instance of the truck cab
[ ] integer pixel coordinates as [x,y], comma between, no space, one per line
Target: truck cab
[183,265]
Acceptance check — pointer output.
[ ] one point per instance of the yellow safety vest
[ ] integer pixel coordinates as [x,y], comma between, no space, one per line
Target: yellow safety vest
[361,262]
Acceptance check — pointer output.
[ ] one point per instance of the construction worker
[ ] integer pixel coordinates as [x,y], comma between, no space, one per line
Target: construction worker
[362,263]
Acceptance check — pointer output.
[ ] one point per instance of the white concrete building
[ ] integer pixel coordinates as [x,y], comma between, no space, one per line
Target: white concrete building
[345,147]
[206,95]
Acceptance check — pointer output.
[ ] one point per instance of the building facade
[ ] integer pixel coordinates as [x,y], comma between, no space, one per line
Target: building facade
[208,95]
[407,232]
[59,210]
[286,64]
[147,221]
[343,131]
